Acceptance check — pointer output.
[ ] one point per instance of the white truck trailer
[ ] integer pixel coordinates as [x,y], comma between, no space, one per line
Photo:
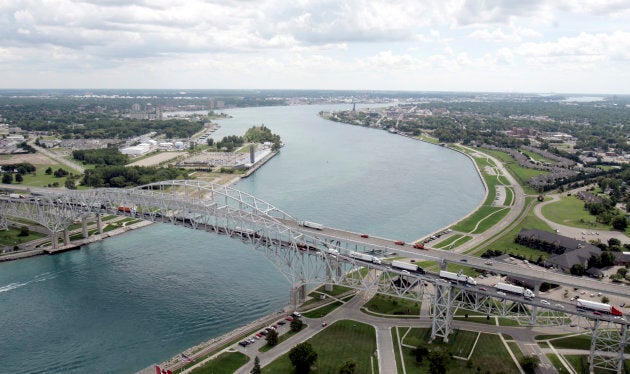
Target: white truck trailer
[526,293]
[407,266]
[364,257]
[312,225]
[458,277]
[600,307]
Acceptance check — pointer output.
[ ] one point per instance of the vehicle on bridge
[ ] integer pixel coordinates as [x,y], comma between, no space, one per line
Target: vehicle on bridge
[312,225]
[16,196]
[598,307]
[407,266]
[526,293]
[458,277]
[364,257]
[419,246]
[126,209]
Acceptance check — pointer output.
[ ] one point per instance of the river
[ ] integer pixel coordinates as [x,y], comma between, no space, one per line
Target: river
[126,302]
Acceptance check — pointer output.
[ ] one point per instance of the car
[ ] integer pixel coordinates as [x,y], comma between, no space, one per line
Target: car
[501,293]
[559,306]
[418,246]
[599,294]
[572,324]
[399,242]
[573,298]
[296,314]
[263,332]
[281,323]
[488,263]
[405,272]
[544,302]
[289,318]
[251,340]
[244,343]
[482,289]
[365,236]
[463,260]
[597,313]
[258,335]
[324,324]
[592,295]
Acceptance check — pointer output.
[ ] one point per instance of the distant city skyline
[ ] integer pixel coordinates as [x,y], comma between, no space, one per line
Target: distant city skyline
[563,46]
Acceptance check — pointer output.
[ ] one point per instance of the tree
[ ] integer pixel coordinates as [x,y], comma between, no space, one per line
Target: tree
[19,178]
[24,231]
[620,223]
[7,178]
[49,171]
[530,364]
[438,360]
[272,338]
[605,300]
[577,269]
[70,184]
[302,356]
[348,367]
[420,352]
[256,369]
[296,324]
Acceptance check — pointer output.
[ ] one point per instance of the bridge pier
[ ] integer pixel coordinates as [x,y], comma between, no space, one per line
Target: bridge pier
[54,239]
[4,223]
[66,237]
[99,223]
[443,310]
[608,345]
[532,320]
[298,295]
[84,229]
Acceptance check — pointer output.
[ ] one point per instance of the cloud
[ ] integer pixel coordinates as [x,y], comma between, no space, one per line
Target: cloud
[584,47]
[497,35]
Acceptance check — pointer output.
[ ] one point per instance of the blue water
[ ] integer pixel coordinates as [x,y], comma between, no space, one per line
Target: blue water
[129,301]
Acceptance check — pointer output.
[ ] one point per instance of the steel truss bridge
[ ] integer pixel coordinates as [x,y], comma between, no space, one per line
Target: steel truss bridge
[306,256]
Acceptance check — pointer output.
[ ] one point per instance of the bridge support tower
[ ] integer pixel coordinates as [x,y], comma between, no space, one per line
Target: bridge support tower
[608,344]
[443,310]
[298,295]
[84,228]
[99,223]
[532,320]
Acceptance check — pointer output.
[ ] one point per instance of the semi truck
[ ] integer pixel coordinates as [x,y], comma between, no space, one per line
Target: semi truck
[312,225]
[599,307]
[458,277]
[407,266]
[526,293]
[364,257]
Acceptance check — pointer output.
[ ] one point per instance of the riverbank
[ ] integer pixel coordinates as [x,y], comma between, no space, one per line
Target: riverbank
[75,244]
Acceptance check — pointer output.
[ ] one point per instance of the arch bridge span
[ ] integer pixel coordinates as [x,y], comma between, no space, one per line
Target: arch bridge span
[309,256]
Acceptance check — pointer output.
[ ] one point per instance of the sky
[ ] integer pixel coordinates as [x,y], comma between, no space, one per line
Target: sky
[541,46]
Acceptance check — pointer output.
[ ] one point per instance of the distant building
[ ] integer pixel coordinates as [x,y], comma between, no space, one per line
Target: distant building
[565,251]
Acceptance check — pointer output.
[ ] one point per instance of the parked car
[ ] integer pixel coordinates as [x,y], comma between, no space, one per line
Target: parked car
[244,343]
[281,323]
[544,302]
[365,236]
[289,318]
[482,289]
[399,242]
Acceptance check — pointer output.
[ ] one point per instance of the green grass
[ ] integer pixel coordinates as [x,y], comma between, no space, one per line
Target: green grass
[505,242]
[322,311]
[342,341]
[41,179]
[480,220]
[392,305]
[336,291]
[455,240]
[547,337]
[569,211]
[580,364]
[555,361]
[573,342]
[488,353]
[483,320]
[516,351]
[11,237]
[225,363]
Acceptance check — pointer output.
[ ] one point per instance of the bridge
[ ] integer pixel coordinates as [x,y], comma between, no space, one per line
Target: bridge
[307,256]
